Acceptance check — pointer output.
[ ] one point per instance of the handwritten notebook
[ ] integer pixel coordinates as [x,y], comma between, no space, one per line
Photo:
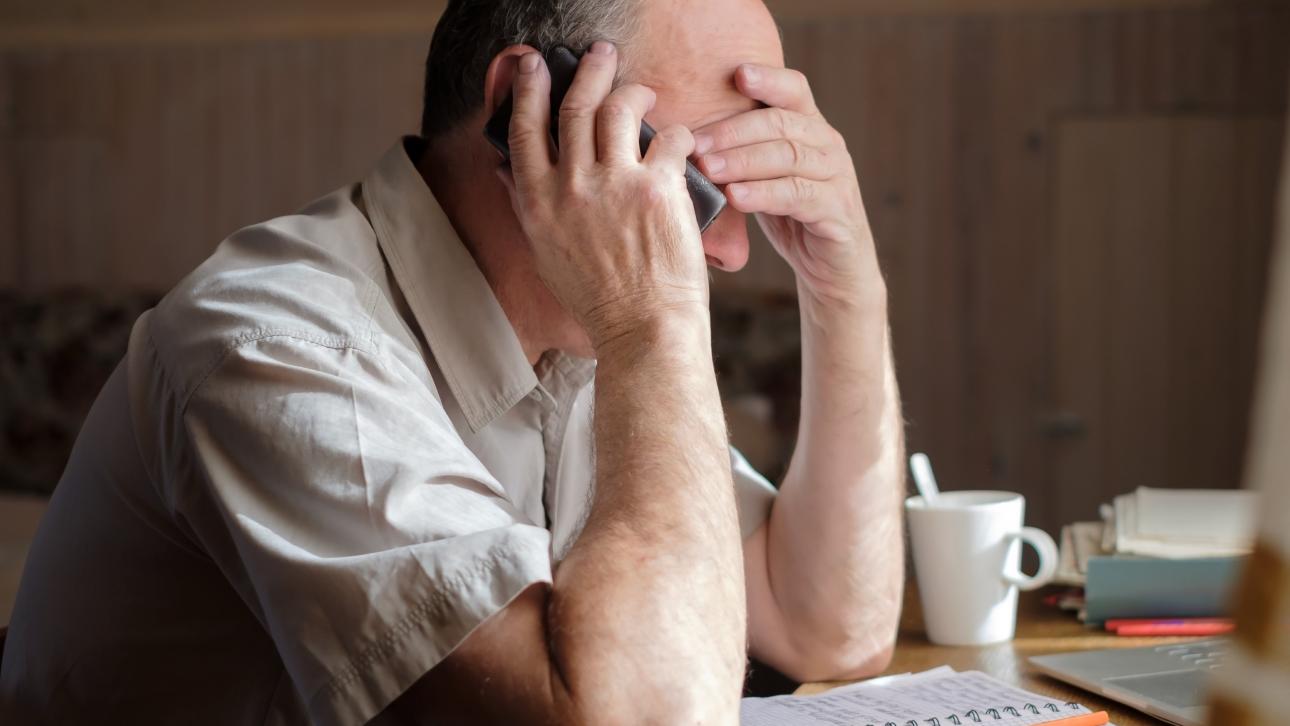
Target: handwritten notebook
[939,697]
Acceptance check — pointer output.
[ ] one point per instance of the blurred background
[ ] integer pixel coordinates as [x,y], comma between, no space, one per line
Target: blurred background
[1073,203]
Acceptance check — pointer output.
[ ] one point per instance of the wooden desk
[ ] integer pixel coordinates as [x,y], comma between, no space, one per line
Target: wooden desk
[1040,630]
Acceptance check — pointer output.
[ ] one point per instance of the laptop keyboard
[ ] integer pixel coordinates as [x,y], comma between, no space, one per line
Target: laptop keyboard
[1207,654]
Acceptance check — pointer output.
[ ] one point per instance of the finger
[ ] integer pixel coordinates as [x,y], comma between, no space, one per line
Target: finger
[591,83]
[801,199]
[771,160]
[618,125]
[765,124]
[779,87]
[670,148]
[530,119]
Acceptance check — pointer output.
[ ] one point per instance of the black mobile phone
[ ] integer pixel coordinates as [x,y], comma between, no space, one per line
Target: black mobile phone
[563,63]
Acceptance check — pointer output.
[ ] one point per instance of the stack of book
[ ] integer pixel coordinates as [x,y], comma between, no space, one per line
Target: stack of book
[1158,554]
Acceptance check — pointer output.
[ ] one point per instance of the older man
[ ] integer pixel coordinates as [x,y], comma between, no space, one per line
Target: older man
[362,465]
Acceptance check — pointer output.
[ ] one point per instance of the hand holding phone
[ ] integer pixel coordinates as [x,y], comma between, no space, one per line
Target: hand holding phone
[563,64]
[612,231]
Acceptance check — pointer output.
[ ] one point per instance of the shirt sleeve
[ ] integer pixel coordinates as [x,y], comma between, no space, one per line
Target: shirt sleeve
[754,494]
[332,491]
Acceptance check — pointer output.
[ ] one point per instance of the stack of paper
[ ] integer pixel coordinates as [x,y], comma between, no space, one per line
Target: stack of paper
[1179,523]
[1158,553]
[1164,523]
[1079,542]
[940,696]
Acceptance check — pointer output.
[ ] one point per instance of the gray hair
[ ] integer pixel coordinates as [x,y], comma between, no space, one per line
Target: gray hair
[471,32]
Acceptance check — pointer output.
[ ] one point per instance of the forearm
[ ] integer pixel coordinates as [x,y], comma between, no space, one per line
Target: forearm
[833,543]
[648,607]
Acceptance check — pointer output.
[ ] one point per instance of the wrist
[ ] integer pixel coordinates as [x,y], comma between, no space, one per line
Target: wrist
[854,304]
[676,328]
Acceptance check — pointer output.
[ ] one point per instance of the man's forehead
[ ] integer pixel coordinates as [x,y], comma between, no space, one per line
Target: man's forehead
[688,51]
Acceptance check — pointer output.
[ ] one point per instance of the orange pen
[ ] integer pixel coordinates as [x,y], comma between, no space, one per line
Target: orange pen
[1088,719]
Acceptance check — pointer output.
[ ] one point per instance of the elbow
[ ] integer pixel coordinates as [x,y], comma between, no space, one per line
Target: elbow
[845,662]
[864,663]
[840,652]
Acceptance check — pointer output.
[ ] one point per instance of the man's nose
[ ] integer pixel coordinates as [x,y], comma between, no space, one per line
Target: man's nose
[725,242]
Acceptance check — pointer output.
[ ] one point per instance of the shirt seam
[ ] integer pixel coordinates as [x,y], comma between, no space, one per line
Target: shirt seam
[428,607]
[333,342]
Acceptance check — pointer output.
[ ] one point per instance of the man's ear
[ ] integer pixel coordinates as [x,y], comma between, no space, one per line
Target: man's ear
[500,75]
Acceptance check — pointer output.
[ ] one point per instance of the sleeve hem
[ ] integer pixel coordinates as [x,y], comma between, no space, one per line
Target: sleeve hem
[431,629]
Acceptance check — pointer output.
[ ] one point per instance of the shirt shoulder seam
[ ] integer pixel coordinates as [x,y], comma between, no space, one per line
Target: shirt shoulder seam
[333,342]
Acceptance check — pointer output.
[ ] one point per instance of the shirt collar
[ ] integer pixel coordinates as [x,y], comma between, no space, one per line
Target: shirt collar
[467,331]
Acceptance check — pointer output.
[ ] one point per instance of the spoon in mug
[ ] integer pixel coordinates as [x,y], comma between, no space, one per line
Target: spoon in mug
[924,479]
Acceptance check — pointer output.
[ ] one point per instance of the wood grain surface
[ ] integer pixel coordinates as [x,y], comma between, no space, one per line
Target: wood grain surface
[1040,630]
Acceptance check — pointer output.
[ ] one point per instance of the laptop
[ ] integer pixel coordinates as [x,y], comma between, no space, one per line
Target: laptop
[1166,681]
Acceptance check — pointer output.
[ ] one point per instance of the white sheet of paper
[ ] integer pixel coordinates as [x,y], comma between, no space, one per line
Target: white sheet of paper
[940,697]
[1223,518]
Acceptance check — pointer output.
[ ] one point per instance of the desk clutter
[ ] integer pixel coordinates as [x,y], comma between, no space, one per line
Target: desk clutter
[1161,561]
[939,697]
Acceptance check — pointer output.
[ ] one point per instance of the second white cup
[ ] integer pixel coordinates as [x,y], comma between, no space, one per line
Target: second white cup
[967,556]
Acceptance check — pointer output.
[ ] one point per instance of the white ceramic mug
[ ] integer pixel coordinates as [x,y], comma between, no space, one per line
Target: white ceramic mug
[967,554]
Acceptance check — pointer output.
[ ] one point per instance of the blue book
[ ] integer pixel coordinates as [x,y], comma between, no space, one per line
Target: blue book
[1146,587]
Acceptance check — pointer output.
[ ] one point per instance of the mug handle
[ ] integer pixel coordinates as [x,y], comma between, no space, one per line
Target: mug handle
[1045,547]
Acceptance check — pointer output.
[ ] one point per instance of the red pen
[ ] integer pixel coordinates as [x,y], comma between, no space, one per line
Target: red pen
[1176,629]
[1117,623]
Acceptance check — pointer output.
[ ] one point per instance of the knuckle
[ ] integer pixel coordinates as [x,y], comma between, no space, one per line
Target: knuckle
[673,141]
[795,152]
[652,192]
[526,140]
[634,89]
[574,109]
[521,132]
[679,135]
[615,109]
[575,186]
[782,122]
[837,139]
[802,190]
[728,135]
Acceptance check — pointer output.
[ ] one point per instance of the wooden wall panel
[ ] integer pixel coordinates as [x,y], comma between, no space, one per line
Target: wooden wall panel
[10,251]
[57,23]
[144,159]
[1262,174]
[1152,305]
[1202,307]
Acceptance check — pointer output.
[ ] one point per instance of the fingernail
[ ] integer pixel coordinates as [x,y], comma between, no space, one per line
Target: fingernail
[702,142]
[751,75]
[602,47]
[529,62]
[714,163]
[738,192]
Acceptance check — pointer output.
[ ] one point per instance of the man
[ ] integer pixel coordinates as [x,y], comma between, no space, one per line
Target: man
[350,471]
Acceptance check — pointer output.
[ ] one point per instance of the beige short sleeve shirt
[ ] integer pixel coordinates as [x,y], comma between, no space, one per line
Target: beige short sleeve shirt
[323,462]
